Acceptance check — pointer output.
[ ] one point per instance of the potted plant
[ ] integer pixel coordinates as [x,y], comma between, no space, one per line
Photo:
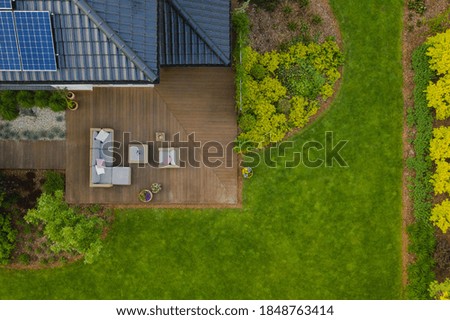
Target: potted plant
[156,187]
[247,172]
[145,195]
[70,95]
[72,105]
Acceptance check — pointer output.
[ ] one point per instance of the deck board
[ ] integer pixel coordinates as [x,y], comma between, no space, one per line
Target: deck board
[25,154]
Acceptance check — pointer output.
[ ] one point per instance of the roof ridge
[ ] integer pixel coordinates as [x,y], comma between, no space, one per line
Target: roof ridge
[200,32]
[115,38]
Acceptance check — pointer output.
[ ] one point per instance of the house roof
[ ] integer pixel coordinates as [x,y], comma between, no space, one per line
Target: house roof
[125,41]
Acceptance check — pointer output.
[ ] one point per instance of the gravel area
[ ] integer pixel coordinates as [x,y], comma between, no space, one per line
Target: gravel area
[35,124]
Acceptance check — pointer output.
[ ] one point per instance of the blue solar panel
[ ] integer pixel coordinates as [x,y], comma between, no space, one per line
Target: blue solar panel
[5,4]
[9,55]
[34,34]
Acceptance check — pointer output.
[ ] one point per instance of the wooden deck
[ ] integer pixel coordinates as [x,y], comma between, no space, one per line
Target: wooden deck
[33,155]
[198,101]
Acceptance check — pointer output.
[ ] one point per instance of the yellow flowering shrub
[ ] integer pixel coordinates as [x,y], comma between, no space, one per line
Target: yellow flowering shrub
[439,52]
[440,144]
[277,91]
[440,215]
[438,97]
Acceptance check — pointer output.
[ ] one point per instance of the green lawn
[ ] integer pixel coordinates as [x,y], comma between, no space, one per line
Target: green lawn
[325,233]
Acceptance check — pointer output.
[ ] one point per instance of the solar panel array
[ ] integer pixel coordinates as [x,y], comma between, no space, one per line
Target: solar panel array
[5,4]
[35,38]
[9,53]
[26,41]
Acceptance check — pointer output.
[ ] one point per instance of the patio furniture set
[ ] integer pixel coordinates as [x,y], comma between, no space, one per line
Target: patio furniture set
[102,171]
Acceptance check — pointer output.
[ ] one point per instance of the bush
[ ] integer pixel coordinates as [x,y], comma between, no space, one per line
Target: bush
[417,5]
[421,232]
[440,291]
[302,80]
[268,5]
[270,87]
[302,3]
[247,122]
[42,99]
[54,181]
[440,216]
[258,72]
[67,229]
[25,99]
[24,258]
[57,101]
[7,235]
[8,105]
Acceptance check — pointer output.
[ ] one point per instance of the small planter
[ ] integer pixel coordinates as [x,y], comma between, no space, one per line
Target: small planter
[72,105]
[155,187]
[145,195]
[247,172]
[70,95]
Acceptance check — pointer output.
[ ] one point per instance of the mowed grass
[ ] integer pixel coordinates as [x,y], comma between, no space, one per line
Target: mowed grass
[324,233]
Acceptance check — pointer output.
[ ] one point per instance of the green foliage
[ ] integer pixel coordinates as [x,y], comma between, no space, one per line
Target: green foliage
[268,5]
[417,5]
[302,79]
[440,216]
[421,232]
[57,101]
[302,3]
[7,234]
[24,258]
[258,71]
[25,99]
[41,98]
[440,22]
[247,122]
[8,105]
[440,291]
[67,229]
[279,90]
[54,181]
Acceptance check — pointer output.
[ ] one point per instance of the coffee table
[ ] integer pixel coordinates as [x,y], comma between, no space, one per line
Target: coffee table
[138,153]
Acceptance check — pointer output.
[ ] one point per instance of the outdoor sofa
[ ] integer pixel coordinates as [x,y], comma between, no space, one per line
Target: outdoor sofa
[102,173]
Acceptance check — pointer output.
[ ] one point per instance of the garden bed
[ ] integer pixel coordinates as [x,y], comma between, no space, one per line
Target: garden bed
[32,249]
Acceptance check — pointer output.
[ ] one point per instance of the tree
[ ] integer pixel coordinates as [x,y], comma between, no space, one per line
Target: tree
[67,229]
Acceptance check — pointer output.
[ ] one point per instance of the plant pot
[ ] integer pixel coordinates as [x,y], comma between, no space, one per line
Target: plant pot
[155,187]
[72,105]
[145,196]
[70,95]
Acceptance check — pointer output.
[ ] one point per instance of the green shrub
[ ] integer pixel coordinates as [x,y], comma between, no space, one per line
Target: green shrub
[268,5]
[7,234]
[57,101]
[247,122]
[302,3]
[440,291]
[8,105]
[54,181]
[67,229]
[42,98]
[421,232]
[302,79]
[24,258]
[417,5]
[258,72]
[25,99]
[316,19]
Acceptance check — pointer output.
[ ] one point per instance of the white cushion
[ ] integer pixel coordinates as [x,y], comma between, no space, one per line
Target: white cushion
[102,136]
[100,170]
